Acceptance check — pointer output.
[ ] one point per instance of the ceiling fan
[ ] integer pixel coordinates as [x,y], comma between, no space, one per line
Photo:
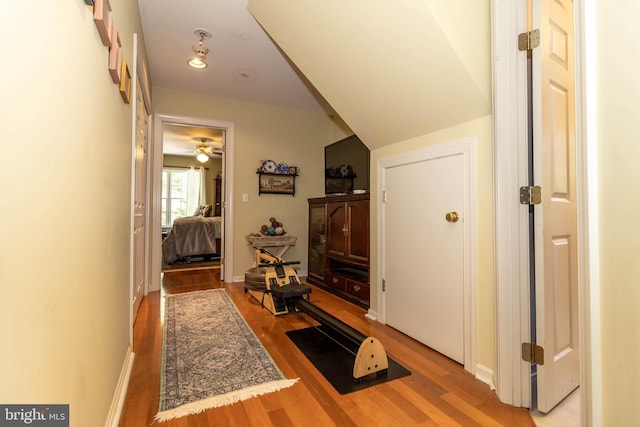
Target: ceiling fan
[203,151]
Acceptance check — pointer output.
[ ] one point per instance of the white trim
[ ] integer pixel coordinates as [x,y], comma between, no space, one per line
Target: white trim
[155,187]
[466,148]
[115,411]
[587,172]
[510,159]
[485,375]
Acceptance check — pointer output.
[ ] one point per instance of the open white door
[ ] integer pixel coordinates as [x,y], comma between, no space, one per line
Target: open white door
[139,202]
[556,246]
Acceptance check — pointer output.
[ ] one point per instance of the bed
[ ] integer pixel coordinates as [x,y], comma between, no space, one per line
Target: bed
[192,236]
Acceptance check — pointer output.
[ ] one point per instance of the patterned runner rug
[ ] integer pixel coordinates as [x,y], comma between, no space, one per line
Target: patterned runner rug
[210,356]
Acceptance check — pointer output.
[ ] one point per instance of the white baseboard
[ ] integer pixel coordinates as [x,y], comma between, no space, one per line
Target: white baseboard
[113,417]
[371,314]
[485,375]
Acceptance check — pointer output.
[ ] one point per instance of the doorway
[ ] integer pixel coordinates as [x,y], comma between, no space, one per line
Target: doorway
[228,128]
[512,253]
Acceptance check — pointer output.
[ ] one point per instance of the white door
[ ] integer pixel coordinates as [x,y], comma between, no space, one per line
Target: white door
[556,248]
[423,259]
[139,203]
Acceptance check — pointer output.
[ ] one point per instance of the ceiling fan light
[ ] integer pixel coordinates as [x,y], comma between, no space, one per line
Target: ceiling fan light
[202,158]
[197,63]
[201,53]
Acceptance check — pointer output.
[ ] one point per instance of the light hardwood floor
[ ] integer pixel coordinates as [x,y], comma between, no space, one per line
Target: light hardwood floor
[438,393]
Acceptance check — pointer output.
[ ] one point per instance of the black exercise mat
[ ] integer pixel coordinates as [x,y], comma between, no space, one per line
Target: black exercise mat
[334,357]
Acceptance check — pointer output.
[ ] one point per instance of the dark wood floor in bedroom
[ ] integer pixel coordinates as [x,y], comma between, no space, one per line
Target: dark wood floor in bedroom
[438,393]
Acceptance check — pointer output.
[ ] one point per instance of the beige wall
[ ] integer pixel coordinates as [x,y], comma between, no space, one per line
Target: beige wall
[66,174]
[263,132]
[480,129]
[616,109]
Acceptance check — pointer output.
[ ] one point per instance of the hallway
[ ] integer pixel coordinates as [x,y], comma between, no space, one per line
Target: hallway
[439,392]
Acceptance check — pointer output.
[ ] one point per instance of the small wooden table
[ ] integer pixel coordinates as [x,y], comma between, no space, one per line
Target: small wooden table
[283,243]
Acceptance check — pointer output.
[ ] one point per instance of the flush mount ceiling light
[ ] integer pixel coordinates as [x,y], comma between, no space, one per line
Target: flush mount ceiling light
[202,150]
[199,49]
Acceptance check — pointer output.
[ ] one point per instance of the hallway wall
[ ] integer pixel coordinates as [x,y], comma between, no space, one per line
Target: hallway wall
[616,291]
[66,208]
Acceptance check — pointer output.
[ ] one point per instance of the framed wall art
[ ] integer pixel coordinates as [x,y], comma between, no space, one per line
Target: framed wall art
[125,83]
[102,18]
[275,183]
[115,56]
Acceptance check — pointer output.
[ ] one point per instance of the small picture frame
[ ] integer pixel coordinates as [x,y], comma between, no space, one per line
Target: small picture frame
[103,20]
[272,183]
[125,83]
[115,56]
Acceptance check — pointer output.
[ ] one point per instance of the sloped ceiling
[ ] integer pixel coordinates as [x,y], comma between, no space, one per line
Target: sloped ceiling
[391,70]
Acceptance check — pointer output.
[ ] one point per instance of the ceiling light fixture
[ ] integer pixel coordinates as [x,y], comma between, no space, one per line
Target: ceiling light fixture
[202,157]
[199,49]
[202,150]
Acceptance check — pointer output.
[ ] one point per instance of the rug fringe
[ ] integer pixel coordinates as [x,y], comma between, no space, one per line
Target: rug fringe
[224,399]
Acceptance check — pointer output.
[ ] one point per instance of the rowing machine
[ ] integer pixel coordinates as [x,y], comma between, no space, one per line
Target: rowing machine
[283,293]
[272,272]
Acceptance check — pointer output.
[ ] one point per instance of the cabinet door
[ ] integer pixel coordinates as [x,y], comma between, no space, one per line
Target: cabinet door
[336,229]
[358,231]
[316,241]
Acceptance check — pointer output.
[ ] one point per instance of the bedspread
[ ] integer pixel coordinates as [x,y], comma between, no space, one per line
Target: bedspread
[195,235]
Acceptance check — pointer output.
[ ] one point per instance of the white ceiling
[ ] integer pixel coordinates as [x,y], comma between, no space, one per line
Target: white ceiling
[243,61]
[181,140]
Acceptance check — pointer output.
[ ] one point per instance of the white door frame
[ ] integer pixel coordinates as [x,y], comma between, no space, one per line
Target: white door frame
[466,148]
[512,265]
[229,128]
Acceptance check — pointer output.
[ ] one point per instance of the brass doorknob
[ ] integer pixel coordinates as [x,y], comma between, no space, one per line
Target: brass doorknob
[452,217]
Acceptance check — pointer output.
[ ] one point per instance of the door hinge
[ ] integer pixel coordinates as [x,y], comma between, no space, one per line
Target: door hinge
[384,285]
[531,195]
[532,353]
[384,196]
[529,40]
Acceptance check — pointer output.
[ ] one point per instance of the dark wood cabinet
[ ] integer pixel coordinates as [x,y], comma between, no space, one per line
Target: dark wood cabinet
[348,230]
[217,209]
[317,240]
[339,245]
